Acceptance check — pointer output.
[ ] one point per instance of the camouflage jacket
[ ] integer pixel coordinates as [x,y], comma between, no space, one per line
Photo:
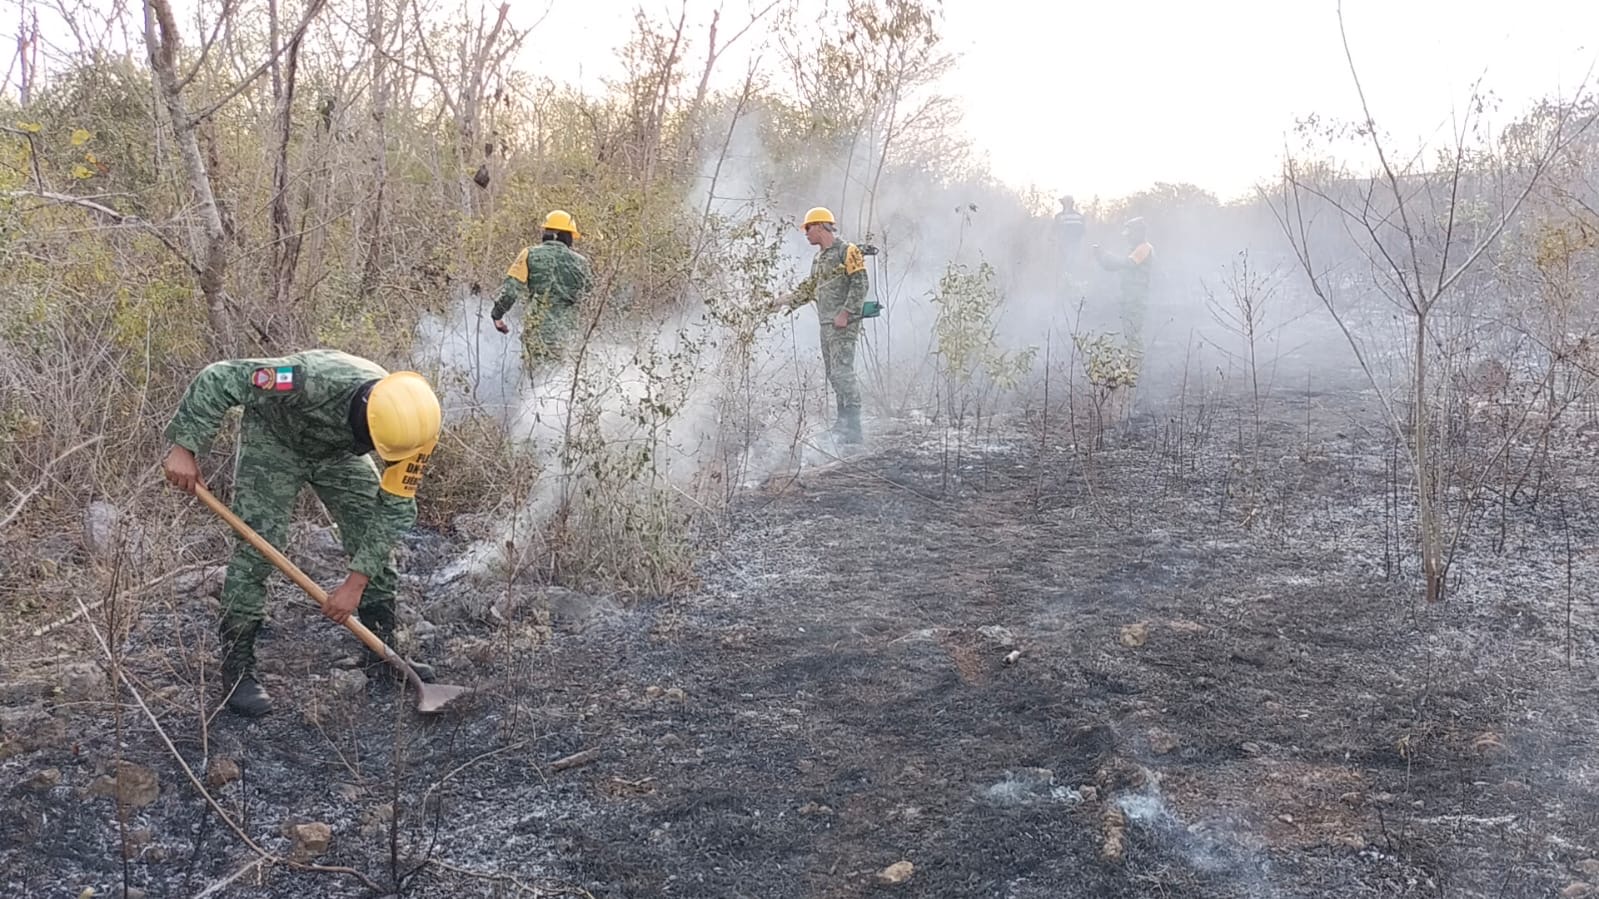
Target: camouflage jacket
[551,273]
[837,281]
[303,401]
[1134,268]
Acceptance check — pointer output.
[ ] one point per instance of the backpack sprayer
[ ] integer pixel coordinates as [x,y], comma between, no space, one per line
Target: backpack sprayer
[870,308]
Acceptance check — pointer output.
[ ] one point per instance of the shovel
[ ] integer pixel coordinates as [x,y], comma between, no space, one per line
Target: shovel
[430,698]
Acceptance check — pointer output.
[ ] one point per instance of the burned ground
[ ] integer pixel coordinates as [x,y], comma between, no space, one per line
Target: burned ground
[1225,687]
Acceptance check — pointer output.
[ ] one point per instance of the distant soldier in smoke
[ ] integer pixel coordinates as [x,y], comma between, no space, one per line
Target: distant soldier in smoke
[552,278]
[838,286]
[1135,271]
[1069,228]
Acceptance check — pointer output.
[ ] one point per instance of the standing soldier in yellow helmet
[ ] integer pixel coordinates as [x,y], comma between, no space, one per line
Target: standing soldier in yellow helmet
[837,284]
[310,418]
[1134,269]
[553,278]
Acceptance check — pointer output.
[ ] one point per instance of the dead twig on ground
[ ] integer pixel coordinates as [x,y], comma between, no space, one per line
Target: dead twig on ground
[560,889]
[576,759]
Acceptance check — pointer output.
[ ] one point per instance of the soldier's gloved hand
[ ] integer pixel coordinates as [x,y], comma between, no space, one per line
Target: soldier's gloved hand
[841,320]
[502,327]
[182,470]
[345,598]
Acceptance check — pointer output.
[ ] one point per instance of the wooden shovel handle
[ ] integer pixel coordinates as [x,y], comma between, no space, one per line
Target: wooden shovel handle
[288,568]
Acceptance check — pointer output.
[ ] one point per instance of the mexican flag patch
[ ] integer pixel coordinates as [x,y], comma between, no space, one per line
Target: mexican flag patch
[281,379]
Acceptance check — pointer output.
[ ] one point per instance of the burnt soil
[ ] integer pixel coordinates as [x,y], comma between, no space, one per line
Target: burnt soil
[1226,687]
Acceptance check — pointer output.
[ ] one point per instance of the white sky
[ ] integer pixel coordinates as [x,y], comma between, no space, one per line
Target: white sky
[1107,98]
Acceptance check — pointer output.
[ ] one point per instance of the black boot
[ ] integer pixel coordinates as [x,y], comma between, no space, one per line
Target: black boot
[245,695]
[380,621]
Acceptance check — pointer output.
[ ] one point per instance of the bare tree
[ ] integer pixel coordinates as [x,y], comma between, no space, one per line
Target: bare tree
[162,38]
[286,240]
[1420,233]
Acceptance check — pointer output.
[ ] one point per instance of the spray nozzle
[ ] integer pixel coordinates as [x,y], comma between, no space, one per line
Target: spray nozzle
[868,250]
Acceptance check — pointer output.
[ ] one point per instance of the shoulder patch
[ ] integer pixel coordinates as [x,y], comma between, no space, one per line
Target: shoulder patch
[518,269]
[854,260]
[276,379]
[403,477]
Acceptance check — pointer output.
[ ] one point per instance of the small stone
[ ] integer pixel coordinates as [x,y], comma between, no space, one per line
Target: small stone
[349,682]
[100,522]
[676,694]
[1589,867]
[43,779]
[346,791]
[310,840]
[1135,635]
[999,636]
[1184,626]
[134,893]
[811,809]
[1088,793]
[80,682]
[653,692]
[134,785]
[1353,797]
[1250,748]
[895,874]
[1285,818]
[1351,841]
[670,741]
[1577,890]
[1162,742]
[221,772]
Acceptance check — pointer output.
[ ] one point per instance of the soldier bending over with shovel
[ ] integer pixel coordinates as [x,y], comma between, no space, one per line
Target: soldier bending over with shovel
[310,418]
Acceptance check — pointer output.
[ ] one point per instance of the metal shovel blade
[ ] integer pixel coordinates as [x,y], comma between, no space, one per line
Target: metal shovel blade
[430,698]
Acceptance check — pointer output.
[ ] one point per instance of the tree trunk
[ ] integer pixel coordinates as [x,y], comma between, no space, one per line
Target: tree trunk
[286,238]
[161,37]
[372,227]
[1432,561]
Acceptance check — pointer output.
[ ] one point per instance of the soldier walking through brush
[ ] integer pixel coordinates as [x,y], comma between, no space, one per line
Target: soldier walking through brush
[837,285]
[552,278]
[310,418]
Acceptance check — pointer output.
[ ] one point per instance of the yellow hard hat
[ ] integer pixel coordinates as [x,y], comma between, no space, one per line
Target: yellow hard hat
[818,214]
[561,220]
[402,415]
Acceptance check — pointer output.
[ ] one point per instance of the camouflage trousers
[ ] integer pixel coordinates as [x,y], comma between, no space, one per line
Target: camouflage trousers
[838,361]
[267,479]
[1132,315]
[547,333]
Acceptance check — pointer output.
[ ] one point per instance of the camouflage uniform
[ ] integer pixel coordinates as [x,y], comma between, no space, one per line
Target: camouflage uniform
[552,278]
[297,430]
[838,282]
[1134,269]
